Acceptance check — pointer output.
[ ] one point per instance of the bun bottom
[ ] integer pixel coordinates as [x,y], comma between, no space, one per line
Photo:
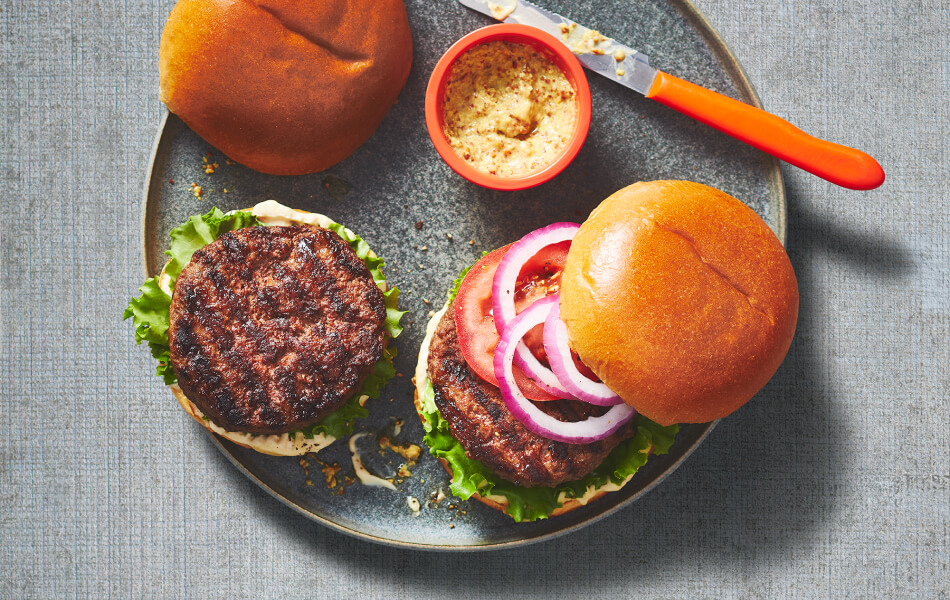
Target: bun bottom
[274,445]
[500,503]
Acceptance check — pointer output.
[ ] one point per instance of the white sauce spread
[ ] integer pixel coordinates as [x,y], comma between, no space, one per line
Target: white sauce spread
[422,377]
[501,12]
[276,445]
[584,41]
[365,477]
[271,212]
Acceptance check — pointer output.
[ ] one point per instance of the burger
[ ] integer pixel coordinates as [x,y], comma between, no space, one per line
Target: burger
[271,326]
[289,86]
[563,361]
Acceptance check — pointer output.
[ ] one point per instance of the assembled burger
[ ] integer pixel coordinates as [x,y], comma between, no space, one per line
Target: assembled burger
[271,326]
[562,361]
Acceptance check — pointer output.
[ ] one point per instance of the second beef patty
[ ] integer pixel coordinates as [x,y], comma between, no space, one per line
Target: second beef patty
[481,422]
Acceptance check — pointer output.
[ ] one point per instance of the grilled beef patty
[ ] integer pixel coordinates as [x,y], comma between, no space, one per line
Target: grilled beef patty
[481,422]
[272,328]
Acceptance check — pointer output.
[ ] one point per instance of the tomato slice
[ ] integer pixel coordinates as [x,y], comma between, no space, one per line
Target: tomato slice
[540,277]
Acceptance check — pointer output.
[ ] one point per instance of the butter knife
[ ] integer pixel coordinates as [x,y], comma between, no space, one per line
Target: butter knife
[841,165]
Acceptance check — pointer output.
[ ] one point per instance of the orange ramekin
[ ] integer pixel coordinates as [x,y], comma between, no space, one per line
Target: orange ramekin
[551,48]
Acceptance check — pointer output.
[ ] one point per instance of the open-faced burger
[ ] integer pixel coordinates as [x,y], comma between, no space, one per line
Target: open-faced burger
[271,326]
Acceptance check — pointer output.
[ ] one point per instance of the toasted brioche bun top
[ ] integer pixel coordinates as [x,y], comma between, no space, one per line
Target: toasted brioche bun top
[680,298]
[284,87]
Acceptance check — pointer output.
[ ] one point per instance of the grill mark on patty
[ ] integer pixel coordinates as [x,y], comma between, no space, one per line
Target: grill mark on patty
[480,421]
[273,328]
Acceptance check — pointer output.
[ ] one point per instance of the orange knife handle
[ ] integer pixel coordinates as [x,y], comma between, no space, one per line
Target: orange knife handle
[838,164]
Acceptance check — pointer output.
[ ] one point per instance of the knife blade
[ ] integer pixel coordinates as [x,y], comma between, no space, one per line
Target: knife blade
[597,52]
[841,165]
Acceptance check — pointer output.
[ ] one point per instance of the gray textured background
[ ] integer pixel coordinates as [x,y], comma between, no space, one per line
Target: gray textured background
[843,491]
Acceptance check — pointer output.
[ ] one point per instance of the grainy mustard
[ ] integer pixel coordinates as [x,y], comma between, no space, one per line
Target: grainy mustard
[509,111]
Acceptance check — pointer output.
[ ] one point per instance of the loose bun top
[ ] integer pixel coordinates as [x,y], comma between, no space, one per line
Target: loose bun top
[284,87]
[680,298]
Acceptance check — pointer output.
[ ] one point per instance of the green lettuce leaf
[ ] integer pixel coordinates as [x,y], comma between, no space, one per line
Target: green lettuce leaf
[530,504]
[375,265]
[199,231]
[149,312]
[340,422]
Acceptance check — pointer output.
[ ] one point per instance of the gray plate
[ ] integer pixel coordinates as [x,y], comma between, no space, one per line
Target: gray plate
[397,179]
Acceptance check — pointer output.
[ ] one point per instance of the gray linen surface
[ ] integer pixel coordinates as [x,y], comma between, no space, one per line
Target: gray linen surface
[845,492]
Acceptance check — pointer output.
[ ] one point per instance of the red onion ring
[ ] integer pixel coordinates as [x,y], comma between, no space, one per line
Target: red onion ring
[558,349]
[503,298]
[589,430]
